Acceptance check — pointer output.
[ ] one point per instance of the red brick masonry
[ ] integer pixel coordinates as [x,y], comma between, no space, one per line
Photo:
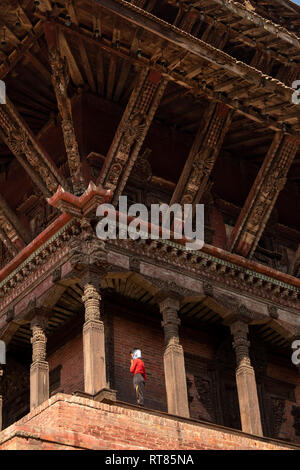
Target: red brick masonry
[71,422]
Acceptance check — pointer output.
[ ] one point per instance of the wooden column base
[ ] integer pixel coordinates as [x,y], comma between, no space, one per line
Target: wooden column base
[39,383]
[248,400]
[106,395]
[94,357]
[176,381]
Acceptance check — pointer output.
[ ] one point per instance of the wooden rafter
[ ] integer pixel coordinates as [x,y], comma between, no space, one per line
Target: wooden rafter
[197,48]
[22,48]
[253,114]
[66,52]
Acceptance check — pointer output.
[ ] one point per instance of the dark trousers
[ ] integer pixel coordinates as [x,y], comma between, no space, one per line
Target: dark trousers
[139,386]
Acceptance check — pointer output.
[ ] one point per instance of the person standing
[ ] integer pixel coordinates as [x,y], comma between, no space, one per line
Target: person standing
[137,369]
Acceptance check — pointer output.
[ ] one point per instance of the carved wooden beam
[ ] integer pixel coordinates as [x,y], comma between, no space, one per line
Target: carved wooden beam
[60,80]
[23,144]
[270,180]
[132,131]
[204,152]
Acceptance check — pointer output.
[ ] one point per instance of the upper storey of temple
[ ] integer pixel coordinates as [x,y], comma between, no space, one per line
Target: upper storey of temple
[163,101]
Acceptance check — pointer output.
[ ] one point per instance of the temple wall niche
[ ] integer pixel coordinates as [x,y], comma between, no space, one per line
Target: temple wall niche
[287,413]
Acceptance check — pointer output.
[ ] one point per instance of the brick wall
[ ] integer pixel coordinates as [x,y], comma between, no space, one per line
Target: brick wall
[70,357]
[127,335]
[76,423]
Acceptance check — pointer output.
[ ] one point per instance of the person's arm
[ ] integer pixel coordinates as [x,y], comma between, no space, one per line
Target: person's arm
[133,365]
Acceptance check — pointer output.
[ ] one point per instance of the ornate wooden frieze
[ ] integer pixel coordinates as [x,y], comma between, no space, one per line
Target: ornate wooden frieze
[40,264]
[60,80]
[132,131]
[270,180]
[204,152]
[86,249]
[211,268]
[21,142]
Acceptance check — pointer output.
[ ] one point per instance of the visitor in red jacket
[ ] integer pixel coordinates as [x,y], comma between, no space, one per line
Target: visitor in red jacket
[137,368]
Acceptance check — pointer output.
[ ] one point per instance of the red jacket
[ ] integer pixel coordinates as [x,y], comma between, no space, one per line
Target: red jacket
[138,367]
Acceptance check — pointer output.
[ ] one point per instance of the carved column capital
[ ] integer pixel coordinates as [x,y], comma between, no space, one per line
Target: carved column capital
[169,306]
[91,299]
[239,331]
[38,340]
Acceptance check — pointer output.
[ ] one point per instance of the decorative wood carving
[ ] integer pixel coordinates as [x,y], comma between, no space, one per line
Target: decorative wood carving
[60,80]
[270,180]
[132,131]
[194,178]
[21,142]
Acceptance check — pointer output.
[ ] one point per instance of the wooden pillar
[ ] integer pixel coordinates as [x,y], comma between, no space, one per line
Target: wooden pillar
[93,339]
[174,367]
[245,380]
[39,370]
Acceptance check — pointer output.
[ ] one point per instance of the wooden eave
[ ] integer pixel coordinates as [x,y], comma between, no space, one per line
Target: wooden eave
[209,67]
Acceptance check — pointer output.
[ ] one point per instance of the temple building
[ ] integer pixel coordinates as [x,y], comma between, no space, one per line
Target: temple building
[165,102]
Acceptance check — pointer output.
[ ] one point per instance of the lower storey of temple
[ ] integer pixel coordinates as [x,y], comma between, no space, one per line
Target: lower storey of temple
[66,422]
[215,414]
